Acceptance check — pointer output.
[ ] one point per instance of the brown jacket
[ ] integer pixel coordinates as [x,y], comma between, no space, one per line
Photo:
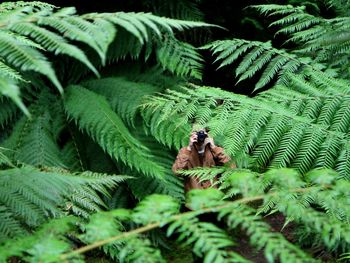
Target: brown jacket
[187,159]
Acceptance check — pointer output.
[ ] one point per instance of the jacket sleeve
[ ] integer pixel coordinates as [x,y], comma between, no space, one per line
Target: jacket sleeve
[220,157]
[182,160]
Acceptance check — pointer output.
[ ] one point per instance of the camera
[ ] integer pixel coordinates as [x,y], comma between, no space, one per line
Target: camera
[201,135]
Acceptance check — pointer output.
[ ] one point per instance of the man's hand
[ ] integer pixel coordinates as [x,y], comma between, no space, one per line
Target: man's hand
[193,139]
[210,141]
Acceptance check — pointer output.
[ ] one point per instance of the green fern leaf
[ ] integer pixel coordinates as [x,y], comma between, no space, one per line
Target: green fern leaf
[116,90]
[108,130]
[8,111]
[26,58]
[10,73]
[33,143]
[52,42]
[180,58]
[9,88]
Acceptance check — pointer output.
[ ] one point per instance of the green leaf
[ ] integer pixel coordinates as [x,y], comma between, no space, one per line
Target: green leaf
[93,114]
[11,90]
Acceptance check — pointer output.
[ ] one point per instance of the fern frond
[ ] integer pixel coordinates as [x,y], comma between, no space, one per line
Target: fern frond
[8,111]
[294,129]
[180,58]
[34,4]
[285,186]
[207,240]
[138,24]
[274,9]
[31,196]
[274,244]
[4,160]
[30,29]
[49,241]
[139,250]
[117,91]
[52,42]
[87,199]
[26,58]
[10,89]
[10,72]
[185,10]
[343,163]
[33,141]
[70,156]
[169,185]
[257,56]
[316,36]
[167,132]
[108,130]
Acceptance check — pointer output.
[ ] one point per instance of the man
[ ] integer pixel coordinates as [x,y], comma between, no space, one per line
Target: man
[201,152]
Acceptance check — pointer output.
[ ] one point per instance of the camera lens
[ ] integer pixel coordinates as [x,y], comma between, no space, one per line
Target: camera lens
[201,136]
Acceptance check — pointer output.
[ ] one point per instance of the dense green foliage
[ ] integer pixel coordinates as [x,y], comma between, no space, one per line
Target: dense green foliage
[94,107]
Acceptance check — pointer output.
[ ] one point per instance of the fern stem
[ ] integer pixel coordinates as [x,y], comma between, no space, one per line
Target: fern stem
[109,240]
[173,218]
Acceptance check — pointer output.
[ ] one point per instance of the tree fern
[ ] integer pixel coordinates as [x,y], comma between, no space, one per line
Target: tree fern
[87,199]
[316,36]
[26,58]
[169,184]
[33,141]
[48,28]
[262,57]
[186,10]
[30,196]
[11,90]
[52,42]
[116,91]
[273,134]
[158,211]
[180,58]
[302,122]
[108,130]
[8,111]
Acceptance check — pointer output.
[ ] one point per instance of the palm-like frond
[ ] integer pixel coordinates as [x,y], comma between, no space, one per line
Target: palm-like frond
[29,29]
[285,186]
[117,91]
[302,131]
[26,57]
[30,196]
[185,10]
[180,58]
[318,37]
[33,140]
[168,184]
[93,114]
[273,64]
[87,199]
[52,42]
[7,111]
